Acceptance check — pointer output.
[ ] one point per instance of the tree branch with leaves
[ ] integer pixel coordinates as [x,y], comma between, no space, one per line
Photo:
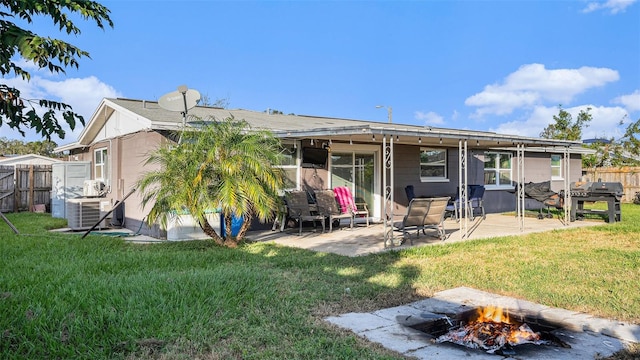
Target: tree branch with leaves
[46,53]
[564,128]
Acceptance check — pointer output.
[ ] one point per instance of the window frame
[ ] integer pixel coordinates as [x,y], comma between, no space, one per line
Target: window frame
[497,169]
[103,165]
[560,176]
[295,166]
[445,166]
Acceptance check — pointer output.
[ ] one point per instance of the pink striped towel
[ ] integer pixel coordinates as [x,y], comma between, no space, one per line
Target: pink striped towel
[345,199]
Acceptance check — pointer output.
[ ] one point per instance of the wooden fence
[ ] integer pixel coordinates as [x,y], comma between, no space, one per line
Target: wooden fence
[25,187]
[628,176]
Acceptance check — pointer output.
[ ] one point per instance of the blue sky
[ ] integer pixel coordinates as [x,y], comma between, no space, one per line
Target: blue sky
[501,66]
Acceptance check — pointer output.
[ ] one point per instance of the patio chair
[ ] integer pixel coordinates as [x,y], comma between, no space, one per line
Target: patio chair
[475,201]
[475,194]
[422,214]
[456,206]
[298,209]
[410,191]
[281,215]
[328,207]
[349,205]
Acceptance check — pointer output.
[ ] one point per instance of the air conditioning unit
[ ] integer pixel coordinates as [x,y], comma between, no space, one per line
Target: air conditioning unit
[93,188]
[82,213]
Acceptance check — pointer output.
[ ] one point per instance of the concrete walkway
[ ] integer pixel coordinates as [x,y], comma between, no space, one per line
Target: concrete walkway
[362,240]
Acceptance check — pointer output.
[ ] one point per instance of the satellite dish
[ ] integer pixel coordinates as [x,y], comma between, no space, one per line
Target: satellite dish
[179,100]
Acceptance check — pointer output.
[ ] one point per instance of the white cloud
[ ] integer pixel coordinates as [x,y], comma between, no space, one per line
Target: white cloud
[531,126]
[605,121]
[631,101]
[83,94]
[430,118]
[613,6]
[534,85]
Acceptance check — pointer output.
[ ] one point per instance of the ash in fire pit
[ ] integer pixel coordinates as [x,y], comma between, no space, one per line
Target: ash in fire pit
[490,328]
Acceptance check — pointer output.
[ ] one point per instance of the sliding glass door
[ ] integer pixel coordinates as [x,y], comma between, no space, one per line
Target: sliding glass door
[356,170]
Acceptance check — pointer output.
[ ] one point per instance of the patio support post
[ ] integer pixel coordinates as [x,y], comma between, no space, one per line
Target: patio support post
[462,187]
[520,184]
[387,184]
[567,186]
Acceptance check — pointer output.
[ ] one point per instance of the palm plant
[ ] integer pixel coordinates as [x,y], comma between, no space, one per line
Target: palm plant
[224,165]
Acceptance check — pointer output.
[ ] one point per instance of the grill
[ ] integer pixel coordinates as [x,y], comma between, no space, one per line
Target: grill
[582,192]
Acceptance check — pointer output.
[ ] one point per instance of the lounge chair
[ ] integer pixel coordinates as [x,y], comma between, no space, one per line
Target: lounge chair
[422,214]
[298,209]
[349,205]
[328,207]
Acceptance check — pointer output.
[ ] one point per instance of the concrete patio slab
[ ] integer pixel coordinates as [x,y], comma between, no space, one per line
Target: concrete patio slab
[362,240]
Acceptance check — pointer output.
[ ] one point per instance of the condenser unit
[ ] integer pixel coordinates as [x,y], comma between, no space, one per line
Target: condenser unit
[82,213]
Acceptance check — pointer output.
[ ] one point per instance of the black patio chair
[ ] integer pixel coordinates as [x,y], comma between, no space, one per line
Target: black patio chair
[299,210]
[328,207]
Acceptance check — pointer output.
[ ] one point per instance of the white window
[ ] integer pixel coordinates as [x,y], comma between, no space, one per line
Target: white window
[100,161]
[497,170]
[289,165]
[433,164]
[556,167]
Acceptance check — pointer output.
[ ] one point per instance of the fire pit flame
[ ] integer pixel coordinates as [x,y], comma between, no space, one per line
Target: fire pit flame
[492,330]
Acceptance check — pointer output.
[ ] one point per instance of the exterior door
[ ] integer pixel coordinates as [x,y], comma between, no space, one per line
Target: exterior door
[357,170]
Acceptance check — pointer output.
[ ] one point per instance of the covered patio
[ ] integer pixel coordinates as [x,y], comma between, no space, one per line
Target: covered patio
[362,240]
[464,143]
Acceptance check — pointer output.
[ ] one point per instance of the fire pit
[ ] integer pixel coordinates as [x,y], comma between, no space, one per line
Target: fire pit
[490,328]
[413,329]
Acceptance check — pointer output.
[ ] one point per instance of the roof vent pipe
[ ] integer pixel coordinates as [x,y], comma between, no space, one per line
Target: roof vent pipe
[144,104]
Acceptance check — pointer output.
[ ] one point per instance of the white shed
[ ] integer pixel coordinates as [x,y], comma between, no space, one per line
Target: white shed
[29,159]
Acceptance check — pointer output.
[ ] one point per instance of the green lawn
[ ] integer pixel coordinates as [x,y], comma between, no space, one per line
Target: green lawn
[100,298]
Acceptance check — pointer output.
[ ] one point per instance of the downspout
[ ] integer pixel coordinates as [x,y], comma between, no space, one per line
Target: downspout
[567,186]
[110,167]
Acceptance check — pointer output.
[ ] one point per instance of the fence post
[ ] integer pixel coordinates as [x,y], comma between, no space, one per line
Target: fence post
[31,187]
[16,188]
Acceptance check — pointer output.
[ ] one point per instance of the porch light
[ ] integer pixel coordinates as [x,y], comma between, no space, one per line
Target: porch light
[350,141]
[373,137]
[440,140]
[311,141]
[420,140]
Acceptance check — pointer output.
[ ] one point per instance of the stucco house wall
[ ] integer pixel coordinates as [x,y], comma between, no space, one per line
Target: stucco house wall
[127,157]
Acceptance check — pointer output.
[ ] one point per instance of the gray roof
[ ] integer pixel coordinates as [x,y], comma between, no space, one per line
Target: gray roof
[305,126]
[262,120]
